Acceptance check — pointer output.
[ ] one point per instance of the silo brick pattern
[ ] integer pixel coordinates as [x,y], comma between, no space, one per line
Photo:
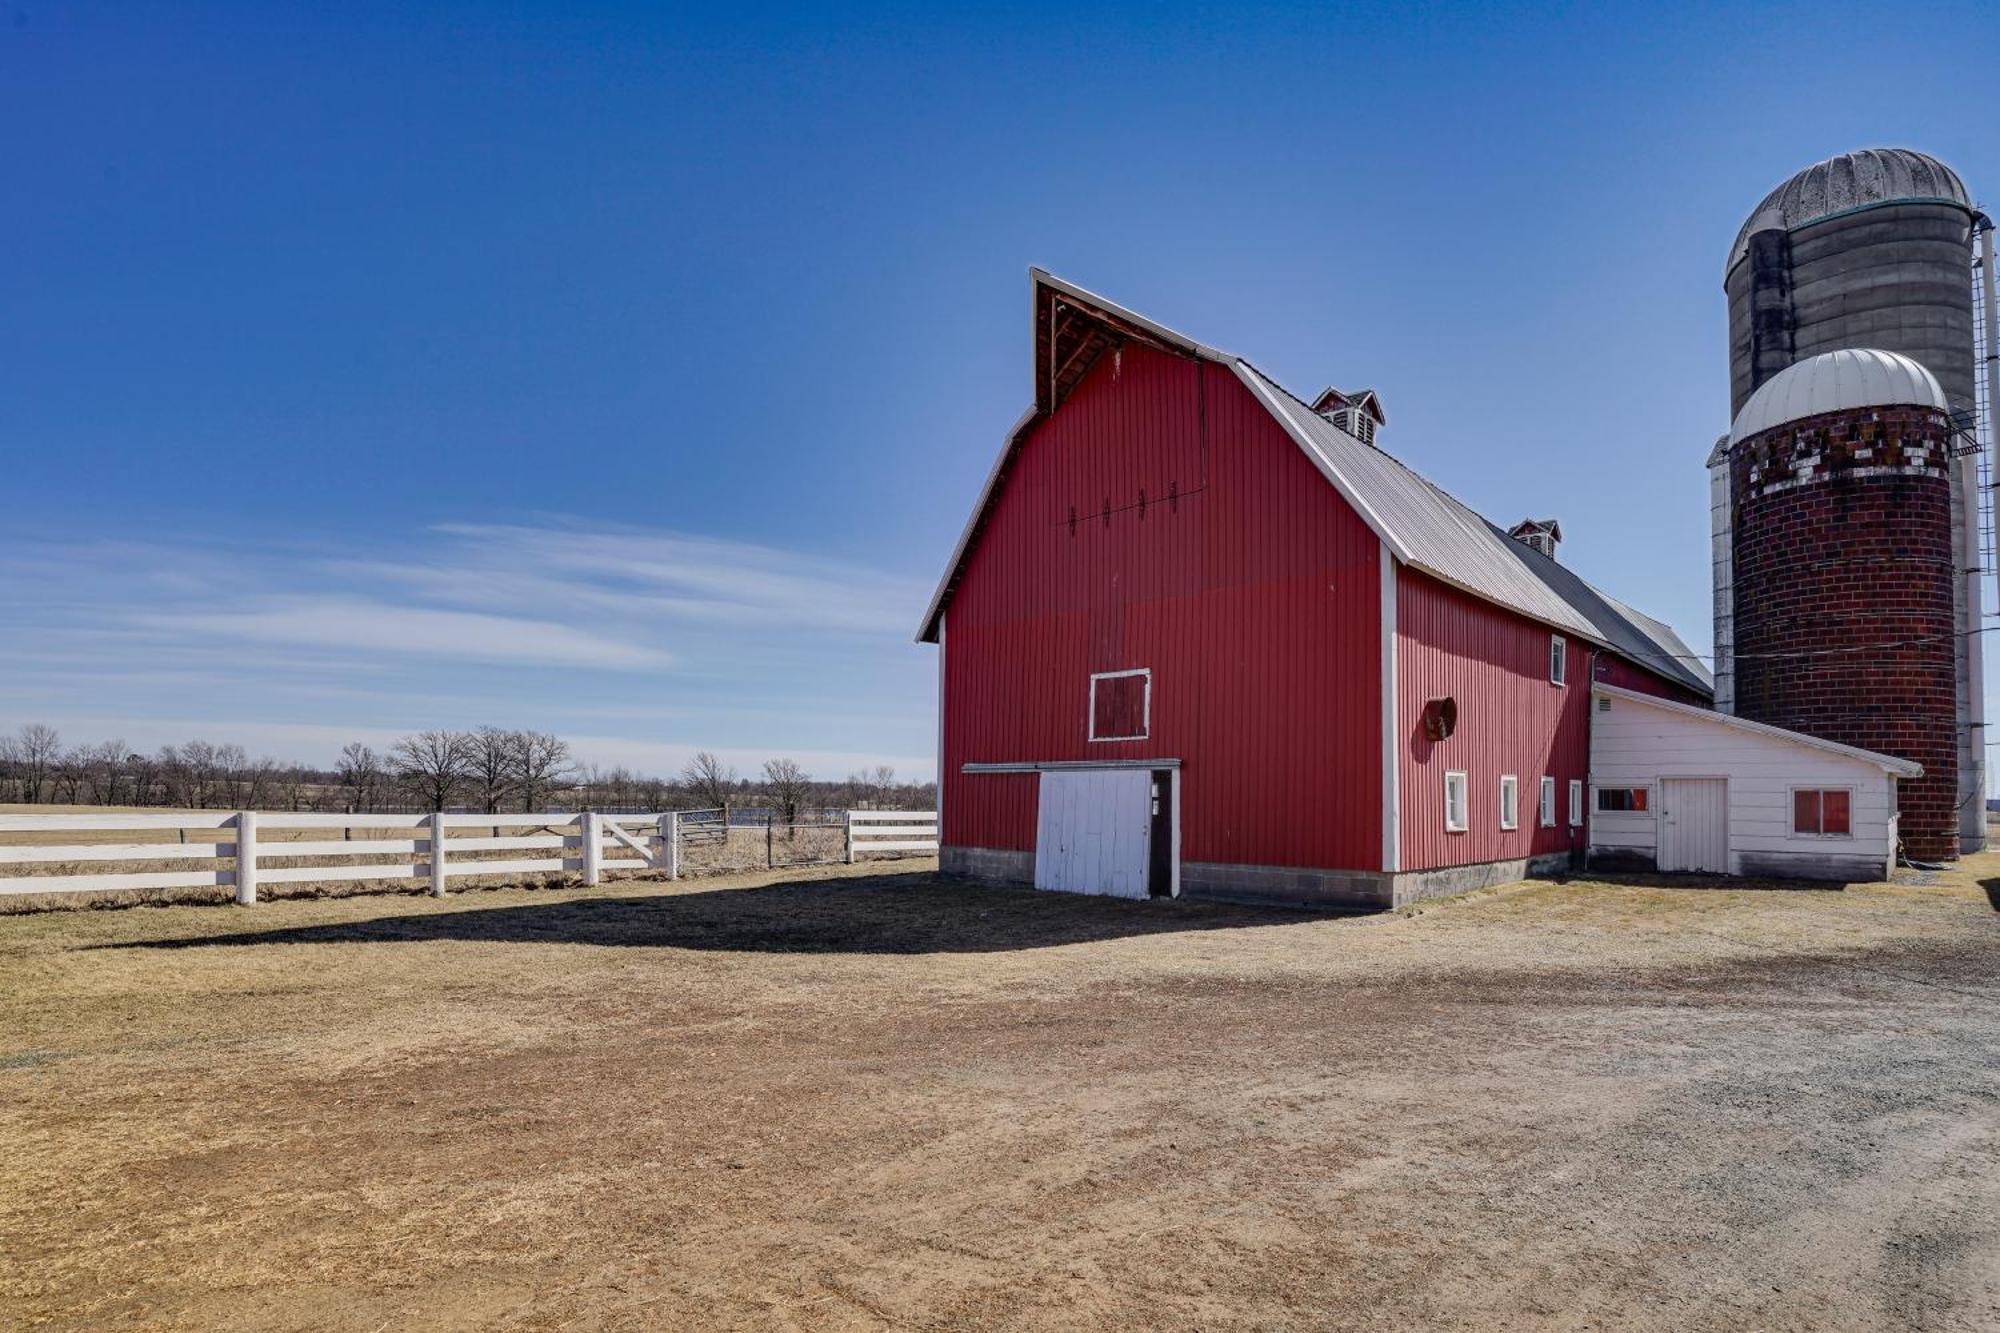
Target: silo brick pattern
[1843,586]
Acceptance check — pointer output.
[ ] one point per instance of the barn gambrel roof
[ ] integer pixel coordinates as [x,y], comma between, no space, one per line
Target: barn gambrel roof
[1423,525]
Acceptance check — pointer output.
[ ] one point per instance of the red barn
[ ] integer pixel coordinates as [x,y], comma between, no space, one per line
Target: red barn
[1198,637]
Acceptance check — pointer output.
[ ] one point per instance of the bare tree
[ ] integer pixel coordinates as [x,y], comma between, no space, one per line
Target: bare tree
[789,786]
[360,771]
[103,768]
[540,764]
[432,765]
[491,761]
[257,784]
[708,779]
[143,776]
[31,753]
[66,776]
[191,774]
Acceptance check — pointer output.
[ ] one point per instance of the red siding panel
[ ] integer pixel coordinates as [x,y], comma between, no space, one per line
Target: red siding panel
[1510,720]
[1251,595]
[1614,670]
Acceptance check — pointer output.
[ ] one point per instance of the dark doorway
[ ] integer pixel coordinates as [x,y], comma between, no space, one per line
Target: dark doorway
[1160,874]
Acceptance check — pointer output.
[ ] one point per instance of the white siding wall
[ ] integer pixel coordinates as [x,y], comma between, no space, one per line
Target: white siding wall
[1635,745]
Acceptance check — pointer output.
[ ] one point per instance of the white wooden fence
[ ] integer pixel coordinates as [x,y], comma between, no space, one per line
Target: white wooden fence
[234,853]
[891,831]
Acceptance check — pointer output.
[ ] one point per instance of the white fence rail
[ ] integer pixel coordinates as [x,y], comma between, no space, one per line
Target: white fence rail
[891,831]
[237,853]
[234,849]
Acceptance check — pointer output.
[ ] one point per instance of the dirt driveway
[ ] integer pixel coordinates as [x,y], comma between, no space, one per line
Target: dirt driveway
[886,1101]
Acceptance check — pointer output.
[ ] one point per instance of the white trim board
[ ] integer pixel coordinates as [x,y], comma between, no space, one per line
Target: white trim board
[1044,766]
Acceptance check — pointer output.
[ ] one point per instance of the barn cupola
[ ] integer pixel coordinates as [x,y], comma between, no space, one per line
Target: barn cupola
[1356,411]
[1543,534]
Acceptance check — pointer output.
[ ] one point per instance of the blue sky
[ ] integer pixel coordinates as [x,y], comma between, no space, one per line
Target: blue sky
[628,371]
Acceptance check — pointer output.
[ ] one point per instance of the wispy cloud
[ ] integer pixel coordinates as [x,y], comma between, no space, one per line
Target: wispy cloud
[633,571]
[374,627]
[682,642]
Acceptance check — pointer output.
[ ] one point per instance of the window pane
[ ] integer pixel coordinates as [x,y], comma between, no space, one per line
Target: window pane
[1805,812]
[1118,706]
[1639,798]
[1834,819]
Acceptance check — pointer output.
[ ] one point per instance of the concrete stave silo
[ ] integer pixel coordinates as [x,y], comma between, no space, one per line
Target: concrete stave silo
[1868,249]
[1846,537]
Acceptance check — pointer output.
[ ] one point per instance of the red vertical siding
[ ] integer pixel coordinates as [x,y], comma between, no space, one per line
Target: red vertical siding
[1495,664]
[1615,670]
[1252,599]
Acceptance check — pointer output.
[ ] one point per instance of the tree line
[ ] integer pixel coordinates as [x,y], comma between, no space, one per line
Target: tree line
[489,770]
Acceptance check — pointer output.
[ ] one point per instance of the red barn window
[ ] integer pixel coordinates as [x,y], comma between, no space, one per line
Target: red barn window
[1121,705]
[1822,813]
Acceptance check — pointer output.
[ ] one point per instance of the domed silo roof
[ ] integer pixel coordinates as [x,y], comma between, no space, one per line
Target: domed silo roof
[1850,181]
[1834,382]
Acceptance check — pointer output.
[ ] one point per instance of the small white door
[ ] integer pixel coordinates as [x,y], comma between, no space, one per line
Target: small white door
[1694,826]
[1093,832]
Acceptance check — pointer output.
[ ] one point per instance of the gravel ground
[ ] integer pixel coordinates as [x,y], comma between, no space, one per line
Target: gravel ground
[858,1099]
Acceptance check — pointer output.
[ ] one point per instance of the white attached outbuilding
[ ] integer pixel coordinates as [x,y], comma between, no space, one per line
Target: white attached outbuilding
[1683,789]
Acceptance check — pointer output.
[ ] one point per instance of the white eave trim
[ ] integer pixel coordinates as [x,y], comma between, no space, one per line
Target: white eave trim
[927,629]
[1063,765]
[1257,385]
[1902,768]
[1043,278]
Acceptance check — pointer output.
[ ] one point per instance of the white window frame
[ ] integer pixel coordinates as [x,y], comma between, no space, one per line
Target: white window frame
[1576,802]
[1545,808]
[1510,794]
[1146,708]
[1558,660]
[1597,799]
[1455,778]
[1792,812]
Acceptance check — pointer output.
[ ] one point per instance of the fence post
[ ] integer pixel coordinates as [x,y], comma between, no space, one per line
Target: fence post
[593,848]
[670,843]
[246,857]
[770,845]
[438,870]
[848,823]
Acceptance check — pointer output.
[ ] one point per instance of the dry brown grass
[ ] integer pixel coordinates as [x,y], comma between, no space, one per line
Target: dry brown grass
[856,1099]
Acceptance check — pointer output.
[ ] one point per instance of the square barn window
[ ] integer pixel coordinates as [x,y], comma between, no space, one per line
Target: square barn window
[1547,809]
[1558,659]
[1822,813]
[1121,705]
[1510,801]
[1454,803]
[1622,800]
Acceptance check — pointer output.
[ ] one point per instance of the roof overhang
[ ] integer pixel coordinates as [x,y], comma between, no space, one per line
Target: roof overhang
[1888,763]
[1072,327]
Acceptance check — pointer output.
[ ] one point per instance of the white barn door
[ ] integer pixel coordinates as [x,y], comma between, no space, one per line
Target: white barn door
[1093,832]
[1694,826]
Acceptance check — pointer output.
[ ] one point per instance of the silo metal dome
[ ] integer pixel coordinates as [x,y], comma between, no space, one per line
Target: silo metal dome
[1835,382]
[1852,180]
[1868,249]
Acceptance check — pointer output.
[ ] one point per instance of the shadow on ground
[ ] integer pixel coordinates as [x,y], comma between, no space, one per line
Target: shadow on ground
[1992,887]
[874,914]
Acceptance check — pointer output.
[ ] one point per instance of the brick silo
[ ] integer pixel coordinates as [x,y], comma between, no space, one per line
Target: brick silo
[1843,571]
[1871,250]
